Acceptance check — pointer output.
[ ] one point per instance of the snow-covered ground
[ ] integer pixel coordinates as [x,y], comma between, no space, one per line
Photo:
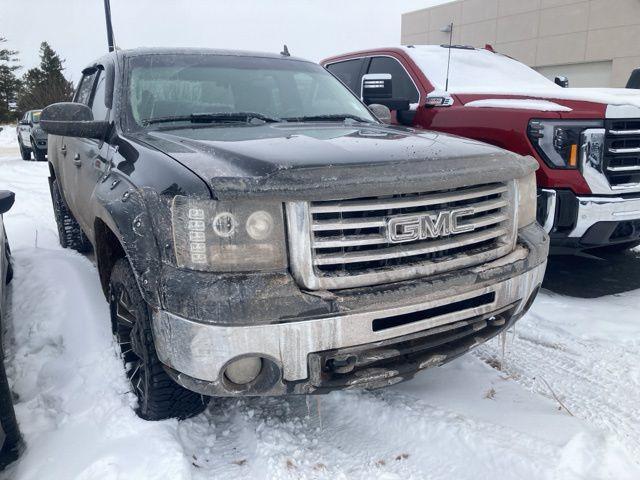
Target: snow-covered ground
[564,405]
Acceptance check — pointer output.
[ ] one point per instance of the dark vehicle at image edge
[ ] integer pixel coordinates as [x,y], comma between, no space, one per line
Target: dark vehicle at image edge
[258,231]
[10,438]
[31,137]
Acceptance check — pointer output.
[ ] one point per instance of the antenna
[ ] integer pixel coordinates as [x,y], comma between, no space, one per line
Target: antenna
[107,13]
[450,28]
[285,52]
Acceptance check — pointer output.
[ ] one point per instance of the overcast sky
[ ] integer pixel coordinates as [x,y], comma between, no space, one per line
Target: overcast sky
[312,29]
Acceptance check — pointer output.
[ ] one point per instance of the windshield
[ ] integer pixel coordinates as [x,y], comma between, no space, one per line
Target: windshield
[35,117]
[165,90]
[476,70]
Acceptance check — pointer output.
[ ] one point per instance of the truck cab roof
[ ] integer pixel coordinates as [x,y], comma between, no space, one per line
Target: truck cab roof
[144,51]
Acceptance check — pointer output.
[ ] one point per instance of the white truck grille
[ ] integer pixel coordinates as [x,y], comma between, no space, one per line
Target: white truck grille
[622,154]
[366,241]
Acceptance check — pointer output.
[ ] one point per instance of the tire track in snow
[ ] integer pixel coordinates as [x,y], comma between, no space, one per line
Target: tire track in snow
[358,435]
[596,382]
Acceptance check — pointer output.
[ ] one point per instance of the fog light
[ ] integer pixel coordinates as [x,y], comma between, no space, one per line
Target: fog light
[243,370]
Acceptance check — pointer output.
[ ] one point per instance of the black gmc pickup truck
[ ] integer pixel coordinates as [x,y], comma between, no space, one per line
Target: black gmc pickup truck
[258,231]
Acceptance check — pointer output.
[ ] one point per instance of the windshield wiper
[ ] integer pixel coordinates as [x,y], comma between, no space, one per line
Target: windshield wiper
[328,118]
[218,117]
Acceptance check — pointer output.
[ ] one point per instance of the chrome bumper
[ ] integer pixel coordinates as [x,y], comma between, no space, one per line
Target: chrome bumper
[592,210]
[202,351]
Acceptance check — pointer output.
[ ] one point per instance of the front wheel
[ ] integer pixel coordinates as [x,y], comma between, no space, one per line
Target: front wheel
[25,153]
[159,397]
[38,154]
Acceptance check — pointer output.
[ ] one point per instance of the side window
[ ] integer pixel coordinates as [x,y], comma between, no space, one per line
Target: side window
[97,104]
[403,86]
[349,73]
[83,94]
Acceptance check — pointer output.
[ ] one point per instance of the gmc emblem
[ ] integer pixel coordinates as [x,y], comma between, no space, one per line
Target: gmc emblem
[409,228]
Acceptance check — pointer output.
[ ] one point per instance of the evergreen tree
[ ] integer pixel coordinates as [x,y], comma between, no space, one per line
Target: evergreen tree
[46,84]
[9,83]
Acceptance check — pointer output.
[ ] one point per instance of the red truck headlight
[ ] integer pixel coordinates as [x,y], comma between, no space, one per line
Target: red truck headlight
[558,142]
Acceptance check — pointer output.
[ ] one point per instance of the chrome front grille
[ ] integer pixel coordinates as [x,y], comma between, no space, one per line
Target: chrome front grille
[622,153]
[347,243]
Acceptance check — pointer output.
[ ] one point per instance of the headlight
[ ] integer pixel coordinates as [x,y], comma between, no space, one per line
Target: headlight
[228,236]
[527,198]
[558,141]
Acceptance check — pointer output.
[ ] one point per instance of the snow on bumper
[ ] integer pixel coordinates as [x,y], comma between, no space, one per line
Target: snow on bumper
[197,353]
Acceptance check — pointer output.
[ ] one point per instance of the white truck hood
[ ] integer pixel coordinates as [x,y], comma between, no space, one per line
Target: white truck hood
[621,102]
[482,72]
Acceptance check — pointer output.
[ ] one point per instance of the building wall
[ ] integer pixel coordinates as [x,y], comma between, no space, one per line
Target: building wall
[577,35]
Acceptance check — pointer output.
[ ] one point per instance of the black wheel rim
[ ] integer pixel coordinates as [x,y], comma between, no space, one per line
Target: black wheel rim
[127,335]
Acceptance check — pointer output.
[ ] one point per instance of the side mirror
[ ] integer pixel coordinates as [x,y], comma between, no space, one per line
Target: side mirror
[562,81]
[6,200]
[23,122]
[70,119]
[381,112]
[634,79]
[377,88]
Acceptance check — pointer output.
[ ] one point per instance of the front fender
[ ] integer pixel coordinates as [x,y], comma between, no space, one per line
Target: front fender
[125,210]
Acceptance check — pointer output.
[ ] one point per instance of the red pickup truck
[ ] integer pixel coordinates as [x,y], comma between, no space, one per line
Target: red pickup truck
[586,140]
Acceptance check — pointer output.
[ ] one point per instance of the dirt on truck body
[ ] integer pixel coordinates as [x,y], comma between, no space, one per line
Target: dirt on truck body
[258,231]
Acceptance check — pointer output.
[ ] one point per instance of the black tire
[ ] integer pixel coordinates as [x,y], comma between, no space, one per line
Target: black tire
[69,232]
[9,263]
[25,153]
[39,155]
[159,397]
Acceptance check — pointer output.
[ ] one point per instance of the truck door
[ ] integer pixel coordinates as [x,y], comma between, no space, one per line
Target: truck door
[69,149]
[90,155]
[402,84]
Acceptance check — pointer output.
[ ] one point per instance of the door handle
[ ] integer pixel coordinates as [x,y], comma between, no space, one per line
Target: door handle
[77,161]
[63,149]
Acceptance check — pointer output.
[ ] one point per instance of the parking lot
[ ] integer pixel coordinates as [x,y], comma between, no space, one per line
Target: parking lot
[554,398]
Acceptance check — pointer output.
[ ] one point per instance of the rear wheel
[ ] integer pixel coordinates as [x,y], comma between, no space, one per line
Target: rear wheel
[69,232]
[25,153]
[159,397]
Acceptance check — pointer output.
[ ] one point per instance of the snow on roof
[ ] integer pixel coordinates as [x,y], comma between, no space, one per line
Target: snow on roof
[540,105]
[480,71]
[475,68]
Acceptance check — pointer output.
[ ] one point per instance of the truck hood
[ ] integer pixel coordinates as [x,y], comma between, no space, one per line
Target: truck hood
[612,102]
[332,160]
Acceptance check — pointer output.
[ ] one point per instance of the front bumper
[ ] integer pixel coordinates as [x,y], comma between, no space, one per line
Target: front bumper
[576,222]
[430,321]
[39,141]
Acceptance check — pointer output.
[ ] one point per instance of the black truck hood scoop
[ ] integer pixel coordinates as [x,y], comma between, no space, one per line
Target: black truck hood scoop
[332,160]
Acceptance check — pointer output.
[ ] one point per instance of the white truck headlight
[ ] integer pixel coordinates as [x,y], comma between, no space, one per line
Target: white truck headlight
[527,198]
[223,236]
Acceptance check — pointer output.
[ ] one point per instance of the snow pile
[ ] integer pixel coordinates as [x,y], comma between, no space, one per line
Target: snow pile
[8,136]
[463,421]
[74,405]
[541,105]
